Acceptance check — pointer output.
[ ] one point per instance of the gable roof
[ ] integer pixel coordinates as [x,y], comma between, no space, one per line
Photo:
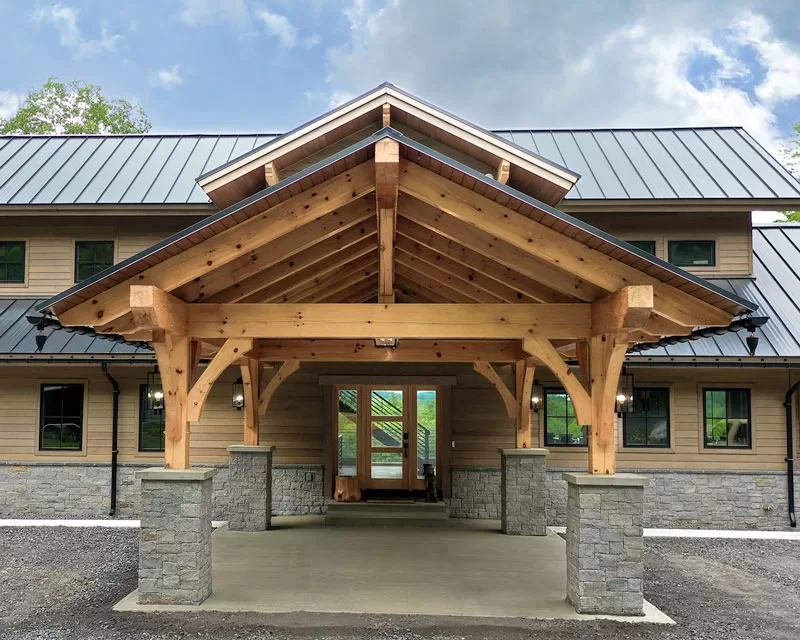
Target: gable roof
[714,163]
[431,160]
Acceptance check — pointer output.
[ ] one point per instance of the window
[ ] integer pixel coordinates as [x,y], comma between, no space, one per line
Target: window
[648,246]
[151,425]
[91,257]
[12,262]
[648,424]
[561,427]
[61,417]
[692,253]
[727,418]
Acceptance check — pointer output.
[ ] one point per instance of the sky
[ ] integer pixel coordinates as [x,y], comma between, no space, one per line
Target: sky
[271,65]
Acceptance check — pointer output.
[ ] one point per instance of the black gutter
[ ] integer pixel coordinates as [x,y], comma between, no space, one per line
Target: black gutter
[790,452]
[42,322]
[114,437]
[635,362]
[749,323]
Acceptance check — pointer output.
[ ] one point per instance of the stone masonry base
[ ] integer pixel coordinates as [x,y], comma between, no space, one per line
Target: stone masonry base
[605,547]
[523,492]
[175,536]
[250,487]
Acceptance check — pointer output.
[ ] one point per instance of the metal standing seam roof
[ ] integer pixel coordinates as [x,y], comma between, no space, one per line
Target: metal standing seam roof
[433,160]
[18,336]
[614,164]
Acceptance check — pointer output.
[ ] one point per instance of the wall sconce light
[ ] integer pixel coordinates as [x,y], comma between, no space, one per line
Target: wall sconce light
[155,391]
[387,343]
[537,396]
[237,399]
[625,394]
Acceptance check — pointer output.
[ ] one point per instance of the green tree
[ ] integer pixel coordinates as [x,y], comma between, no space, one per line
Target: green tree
[74,108]
[792,155]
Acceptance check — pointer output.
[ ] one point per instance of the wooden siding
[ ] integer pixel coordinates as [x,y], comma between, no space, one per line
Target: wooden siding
[50,245]
[296,418]
[732,232]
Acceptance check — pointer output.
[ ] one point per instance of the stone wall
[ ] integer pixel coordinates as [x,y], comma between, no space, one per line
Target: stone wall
[82,490]
[673,499]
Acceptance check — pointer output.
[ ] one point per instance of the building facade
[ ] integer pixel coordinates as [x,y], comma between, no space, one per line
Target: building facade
[706,424]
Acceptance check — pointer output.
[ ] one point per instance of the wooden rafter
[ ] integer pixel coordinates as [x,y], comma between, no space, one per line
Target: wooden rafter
[553,246]
[409,291]
[503,171]
[225,247]
[285,370]
[386,115]
[359,292]
[271,174]
[431,284]
[349,274]
[406,351]
[239,271]
[229,353]
[509,400]
[387,179]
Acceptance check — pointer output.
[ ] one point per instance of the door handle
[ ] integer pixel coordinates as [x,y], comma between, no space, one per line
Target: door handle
[405,445]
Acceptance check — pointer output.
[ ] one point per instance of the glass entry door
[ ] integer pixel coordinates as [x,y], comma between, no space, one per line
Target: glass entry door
[386,434]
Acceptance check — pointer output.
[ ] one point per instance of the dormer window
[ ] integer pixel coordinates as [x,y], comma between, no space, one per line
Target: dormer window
[92,257]
[692,253]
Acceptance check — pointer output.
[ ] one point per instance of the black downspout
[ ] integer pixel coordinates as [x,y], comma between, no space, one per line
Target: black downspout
[790,452]
[114,438]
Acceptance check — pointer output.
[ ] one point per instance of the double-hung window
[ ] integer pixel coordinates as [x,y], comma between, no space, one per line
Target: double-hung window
[92,257]
[12,262]
[648,424]
[61,417]
[727,418]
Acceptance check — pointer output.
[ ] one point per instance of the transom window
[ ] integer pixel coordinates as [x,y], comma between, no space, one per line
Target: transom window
[92,257]
[692,253]
[12,261]
[151,425]
[648,246]
[727,418]
[561,426]
[648,424]
[61,417]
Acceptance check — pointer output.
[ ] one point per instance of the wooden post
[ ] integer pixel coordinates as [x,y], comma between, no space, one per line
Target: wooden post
[251,381]
[174,362]
[524,370]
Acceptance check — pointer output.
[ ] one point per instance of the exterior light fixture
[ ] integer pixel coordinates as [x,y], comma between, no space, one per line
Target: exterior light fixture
[387,343]
[40,338]
[155,391]
[237,399]
[625,394]
[537,396]
[751,340]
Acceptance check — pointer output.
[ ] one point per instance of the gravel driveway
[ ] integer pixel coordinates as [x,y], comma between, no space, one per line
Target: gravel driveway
[60,583]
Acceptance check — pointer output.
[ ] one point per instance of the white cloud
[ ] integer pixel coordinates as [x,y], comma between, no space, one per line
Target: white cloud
[65,19]
[10,102]
[210,12]
[514,63]
[279,26]
[167,78]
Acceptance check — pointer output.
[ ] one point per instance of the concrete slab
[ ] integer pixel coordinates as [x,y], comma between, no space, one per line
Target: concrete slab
[465,569]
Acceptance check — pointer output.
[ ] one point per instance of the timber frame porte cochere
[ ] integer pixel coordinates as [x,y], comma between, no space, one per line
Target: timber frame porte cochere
[389,218]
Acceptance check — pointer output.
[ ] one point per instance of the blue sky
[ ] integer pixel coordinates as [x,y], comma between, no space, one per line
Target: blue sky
[269,65]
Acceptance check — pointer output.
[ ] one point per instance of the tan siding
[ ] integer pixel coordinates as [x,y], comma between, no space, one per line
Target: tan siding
[732,232]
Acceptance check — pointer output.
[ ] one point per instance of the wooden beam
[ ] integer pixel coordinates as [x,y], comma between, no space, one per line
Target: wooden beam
[488,371]
[280,289]
[628,308]
[541,349]
[286,369]
[386,119]
[172,352]
[420,272]
[251,382]
[152,308]
[271,174]
[607,355]
[552,246]
[524,374]
[195,353]
[582,356]
[410,291]
[237,273]
[387,179]
[406,351]
[657,326]
[228,354]
[321,288]
[357,293]
[503,171]
[465,321]
[228,245]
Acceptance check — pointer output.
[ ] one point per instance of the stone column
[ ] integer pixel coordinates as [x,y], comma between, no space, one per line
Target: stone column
[523,492]
[250,487]
[175,536]
[605,548]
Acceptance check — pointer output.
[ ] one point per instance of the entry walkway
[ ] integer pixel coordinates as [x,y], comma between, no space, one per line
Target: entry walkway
[467,568]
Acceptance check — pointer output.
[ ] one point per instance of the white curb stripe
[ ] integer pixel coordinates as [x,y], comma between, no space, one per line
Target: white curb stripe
[711,533]
[111,524]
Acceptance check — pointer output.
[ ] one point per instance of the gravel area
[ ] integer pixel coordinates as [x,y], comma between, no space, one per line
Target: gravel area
[60,583]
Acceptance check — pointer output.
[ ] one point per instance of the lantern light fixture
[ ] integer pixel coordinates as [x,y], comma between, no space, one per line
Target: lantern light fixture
[625,394]
[155,391]
[237,398]
[752,343]
[537,396]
